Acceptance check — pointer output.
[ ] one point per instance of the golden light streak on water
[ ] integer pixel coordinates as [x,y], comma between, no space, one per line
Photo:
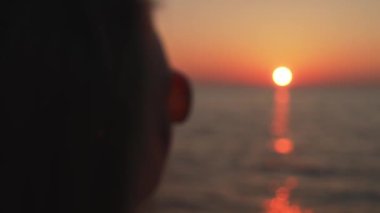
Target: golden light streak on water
[281,202]
[282,144]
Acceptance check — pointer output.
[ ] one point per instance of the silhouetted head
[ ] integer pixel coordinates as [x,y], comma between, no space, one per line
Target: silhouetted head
[89,99]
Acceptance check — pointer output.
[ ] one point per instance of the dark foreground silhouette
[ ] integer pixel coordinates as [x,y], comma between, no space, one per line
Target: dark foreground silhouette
[87,102]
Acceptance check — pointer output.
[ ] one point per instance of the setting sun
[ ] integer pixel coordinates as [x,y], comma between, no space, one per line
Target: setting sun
[282,76]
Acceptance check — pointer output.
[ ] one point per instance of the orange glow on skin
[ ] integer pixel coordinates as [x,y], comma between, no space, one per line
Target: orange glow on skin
[283,146]
[281,202]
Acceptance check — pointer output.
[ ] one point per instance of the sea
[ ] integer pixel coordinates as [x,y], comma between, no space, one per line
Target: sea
[294,150]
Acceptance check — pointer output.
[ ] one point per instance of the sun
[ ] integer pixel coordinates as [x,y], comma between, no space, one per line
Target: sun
[282,76]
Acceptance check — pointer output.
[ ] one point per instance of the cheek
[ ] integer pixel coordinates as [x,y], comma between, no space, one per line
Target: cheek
[156,125]
[153,161]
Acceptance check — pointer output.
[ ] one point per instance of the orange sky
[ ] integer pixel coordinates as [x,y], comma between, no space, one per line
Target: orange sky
[241,41]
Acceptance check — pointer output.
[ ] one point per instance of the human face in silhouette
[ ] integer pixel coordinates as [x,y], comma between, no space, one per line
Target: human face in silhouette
[167,100]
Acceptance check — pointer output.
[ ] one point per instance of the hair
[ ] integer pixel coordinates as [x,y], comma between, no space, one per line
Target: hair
[72,85]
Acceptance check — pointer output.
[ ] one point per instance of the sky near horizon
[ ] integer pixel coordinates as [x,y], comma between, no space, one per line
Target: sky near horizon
[330,42]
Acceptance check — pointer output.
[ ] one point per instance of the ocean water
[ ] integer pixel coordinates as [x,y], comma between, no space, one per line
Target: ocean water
[224,158]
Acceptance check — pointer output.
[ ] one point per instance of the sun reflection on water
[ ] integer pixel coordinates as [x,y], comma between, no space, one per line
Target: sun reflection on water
[281,203]
[281,112]
[282,145]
